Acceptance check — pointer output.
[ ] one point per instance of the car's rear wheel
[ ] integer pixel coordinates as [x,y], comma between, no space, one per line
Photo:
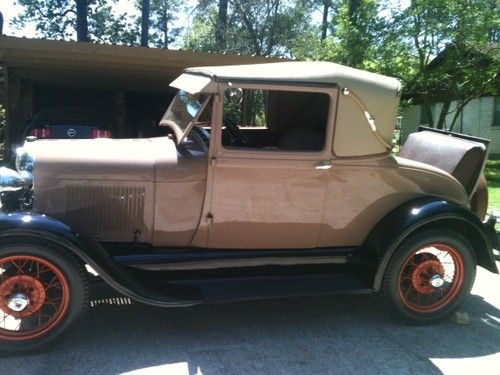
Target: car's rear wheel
[429,275]
[42,292]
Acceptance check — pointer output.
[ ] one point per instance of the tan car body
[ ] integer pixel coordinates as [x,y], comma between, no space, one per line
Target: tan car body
[144,190]
[310,202]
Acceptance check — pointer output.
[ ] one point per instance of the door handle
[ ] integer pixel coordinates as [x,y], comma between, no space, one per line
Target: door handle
[324,164]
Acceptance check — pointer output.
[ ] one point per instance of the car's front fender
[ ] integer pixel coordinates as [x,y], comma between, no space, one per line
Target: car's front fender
[28,227]
[427,213]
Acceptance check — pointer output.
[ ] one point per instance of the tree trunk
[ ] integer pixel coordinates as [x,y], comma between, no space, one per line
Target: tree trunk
[324,24]
[165,27]
[459,110]
[1,23]
[428,112]
[356,55]
[221,28]
[82,27]
[442,116]
[145,10]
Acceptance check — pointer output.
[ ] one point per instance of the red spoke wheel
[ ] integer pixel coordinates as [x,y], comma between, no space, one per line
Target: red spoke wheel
[42,291]
[429,275]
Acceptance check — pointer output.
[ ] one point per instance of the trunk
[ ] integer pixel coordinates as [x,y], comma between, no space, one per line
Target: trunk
[324,24]
[165,28]
[442,116]
[458,112]
[1,23]
[220,31]
[145,7]
[428,112]
[82,27]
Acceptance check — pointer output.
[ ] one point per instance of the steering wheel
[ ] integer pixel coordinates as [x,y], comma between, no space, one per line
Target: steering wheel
[235,137]
[202,134]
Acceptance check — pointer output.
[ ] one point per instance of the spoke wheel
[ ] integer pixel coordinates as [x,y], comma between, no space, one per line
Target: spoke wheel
[431,278]
[429,275]
[34,296]
[43,290]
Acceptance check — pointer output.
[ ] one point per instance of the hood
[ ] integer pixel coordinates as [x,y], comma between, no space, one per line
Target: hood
[100,159]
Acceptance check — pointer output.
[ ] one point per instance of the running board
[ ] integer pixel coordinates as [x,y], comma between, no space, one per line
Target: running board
[207,259]
[241,289]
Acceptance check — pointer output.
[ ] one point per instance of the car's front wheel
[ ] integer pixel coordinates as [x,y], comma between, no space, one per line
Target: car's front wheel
[429,275]
[42,292]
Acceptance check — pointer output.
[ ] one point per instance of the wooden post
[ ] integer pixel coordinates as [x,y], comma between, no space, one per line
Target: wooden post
[20,106]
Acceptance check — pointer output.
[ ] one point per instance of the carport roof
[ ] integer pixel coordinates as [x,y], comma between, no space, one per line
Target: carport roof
[98,65]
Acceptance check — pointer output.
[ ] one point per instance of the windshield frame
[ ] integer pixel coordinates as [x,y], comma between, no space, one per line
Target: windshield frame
[182,130]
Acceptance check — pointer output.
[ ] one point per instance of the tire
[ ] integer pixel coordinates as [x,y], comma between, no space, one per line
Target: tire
[43,291]
[429,276]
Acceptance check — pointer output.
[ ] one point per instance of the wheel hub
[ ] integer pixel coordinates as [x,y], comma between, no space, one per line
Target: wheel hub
[21,295]
[18,302]
[436,281]
[428,276]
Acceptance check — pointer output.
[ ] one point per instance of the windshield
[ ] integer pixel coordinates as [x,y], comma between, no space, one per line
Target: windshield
[183,112]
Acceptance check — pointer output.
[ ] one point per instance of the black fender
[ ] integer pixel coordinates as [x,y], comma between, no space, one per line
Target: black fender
[421,214]
[23,226]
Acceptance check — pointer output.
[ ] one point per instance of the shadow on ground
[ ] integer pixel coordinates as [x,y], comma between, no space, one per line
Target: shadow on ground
[340,334]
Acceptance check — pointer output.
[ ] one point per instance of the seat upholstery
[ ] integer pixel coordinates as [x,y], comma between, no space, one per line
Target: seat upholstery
[301,139]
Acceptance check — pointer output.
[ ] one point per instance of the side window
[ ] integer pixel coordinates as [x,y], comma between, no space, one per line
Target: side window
[275,119]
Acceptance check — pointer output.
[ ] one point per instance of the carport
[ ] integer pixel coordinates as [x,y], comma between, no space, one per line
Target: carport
[128,84]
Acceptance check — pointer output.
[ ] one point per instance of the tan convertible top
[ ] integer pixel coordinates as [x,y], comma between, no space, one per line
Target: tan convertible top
[366,116]
[318,72]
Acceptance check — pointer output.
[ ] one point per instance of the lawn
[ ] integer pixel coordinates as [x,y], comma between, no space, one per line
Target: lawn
[492,173]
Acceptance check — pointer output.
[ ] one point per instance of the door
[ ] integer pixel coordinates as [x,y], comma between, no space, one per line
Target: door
[270,195]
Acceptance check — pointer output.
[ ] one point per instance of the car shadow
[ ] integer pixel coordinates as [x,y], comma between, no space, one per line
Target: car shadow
[339,334]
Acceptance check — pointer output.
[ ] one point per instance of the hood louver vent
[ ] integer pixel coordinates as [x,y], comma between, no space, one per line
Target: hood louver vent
[101,209]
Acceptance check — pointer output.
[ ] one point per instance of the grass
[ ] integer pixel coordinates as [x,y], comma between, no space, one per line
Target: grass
[492,173]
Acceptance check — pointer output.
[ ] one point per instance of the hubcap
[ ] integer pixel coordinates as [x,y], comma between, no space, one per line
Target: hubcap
[18,302]
[437,281]
[423,275]
[34,297]
[25,293]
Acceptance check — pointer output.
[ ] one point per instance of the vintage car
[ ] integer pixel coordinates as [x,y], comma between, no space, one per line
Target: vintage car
[274,180]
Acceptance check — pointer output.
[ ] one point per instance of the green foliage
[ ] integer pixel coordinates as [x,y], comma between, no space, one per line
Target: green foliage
[441,52]
[492,173]
[378,35]
[356,32]
[163,15]
[256,27]
[56,19]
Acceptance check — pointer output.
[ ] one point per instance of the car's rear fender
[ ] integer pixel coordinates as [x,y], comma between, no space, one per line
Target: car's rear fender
[422,214]
[28,227]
